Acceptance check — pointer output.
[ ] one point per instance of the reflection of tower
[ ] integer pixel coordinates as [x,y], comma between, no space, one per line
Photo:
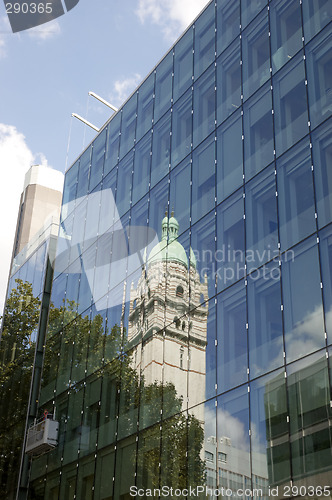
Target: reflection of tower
[165,313]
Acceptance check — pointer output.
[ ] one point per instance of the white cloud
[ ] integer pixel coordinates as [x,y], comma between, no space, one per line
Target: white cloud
[123,88]
[15,159]
[173,16]
[44,32]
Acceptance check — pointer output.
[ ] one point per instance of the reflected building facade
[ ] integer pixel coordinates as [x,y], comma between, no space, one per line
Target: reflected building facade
[196,350]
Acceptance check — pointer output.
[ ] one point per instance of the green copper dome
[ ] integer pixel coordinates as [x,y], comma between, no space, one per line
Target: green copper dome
[174,251]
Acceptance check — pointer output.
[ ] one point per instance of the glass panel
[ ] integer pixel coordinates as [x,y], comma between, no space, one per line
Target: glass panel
[203,246]
[108,211]
[112,144]
[161,143]
[326,263]
[204,106]
[261,219]
[265,320]
[230,241]
[229,157]
[68,482]
[77,240]
[158,205]
[256,54]
[295,196]
[182,128]
[124,469]
[322,158]
[269,431]
[228,82]
[291,115]
[98,156]
[104,475]
[92,218]
[233,441]
[183,64]
[124,186]
[232,362]
[319,69]
[142,160]
[69,190]
[249,9]
[228,23]
[148,458]
[128,125]
[84,173]
[302,300]
[204,40]
[163,89]
[315,15]
[203,179]
[258,133]
[309,413]
[180,200]
[286,32]
[73,429]
[145,107]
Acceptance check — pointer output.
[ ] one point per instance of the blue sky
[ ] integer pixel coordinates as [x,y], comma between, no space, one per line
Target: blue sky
[105,46]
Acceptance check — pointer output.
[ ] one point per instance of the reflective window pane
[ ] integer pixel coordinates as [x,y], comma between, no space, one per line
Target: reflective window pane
[315,16]
[142,160]
[161,144]
[265,320]
[128,125]
[180,199]
[250,9]
[181,128]
[286,32]
[229,157]
[322,159]
[302,300]
[84,173]
[291,115]
[228,82]
[325,237]
[258,133]
[204,40]
[69,190]
[204,106]
[232,338]
[183,64]
[295,195]
[145,107]
[124,186]
[256,54]
[228,26]
[163,88]
[112,144]
[203,179]
[319,69]
[97,162]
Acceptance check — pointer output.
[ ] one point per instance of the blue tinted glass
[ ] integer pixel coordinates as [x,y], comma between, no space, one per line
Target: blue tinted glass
[112,144]
[92,218]
[265,320]
[163,88]
[204,106]
[250,9]
[291,114]
[319,70]
[295,196]
[142,162]
[315,16]
[181,128]
[302,300]
[258,132]
[139,236]
[77,238]
[286,31]
[158,205]
[183,64]
[203,179]
[228,82]
[69,190]
[124,186]
[204,40]
[232,338]
[261,219]
[203,245]
[128,125]
[229,157]
[145,107]
[325,238]
[161,143]
[107,202]
[228,23]
[230,241]
[84,173]
[97,162]
[256,54]
[322,154]
[180,193]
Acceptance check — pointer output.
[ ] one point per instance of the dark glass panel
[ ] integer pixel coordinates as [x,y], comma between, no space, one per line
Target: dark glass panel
[325,237]
[265,320]
[128,125]
[158,205]
[112,144]
[204,106]
[161,145]
[255,54]
[104,475]
[84,173]
[204,40]
[163,88]
[124,186]
[302,300]
[124,475]
[295,195]
[69,190]
[315,16]
[249,9]
[322,159]
[183,64]
[232,362]
[180,200]
[228,82]
[228,23]
[182,128]
[203,179]
[108,209]
[145,106]
[98,157]
[203,246]
[142,160]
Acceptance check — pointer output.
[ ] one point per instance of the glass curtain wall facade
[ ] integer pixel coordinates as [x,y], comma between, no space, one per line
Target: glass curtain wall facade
[192,342]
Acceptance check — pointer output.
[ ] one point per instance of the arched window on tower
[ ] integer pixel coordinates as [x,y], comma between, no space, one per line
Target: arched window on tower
[179,291]
[181,357]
